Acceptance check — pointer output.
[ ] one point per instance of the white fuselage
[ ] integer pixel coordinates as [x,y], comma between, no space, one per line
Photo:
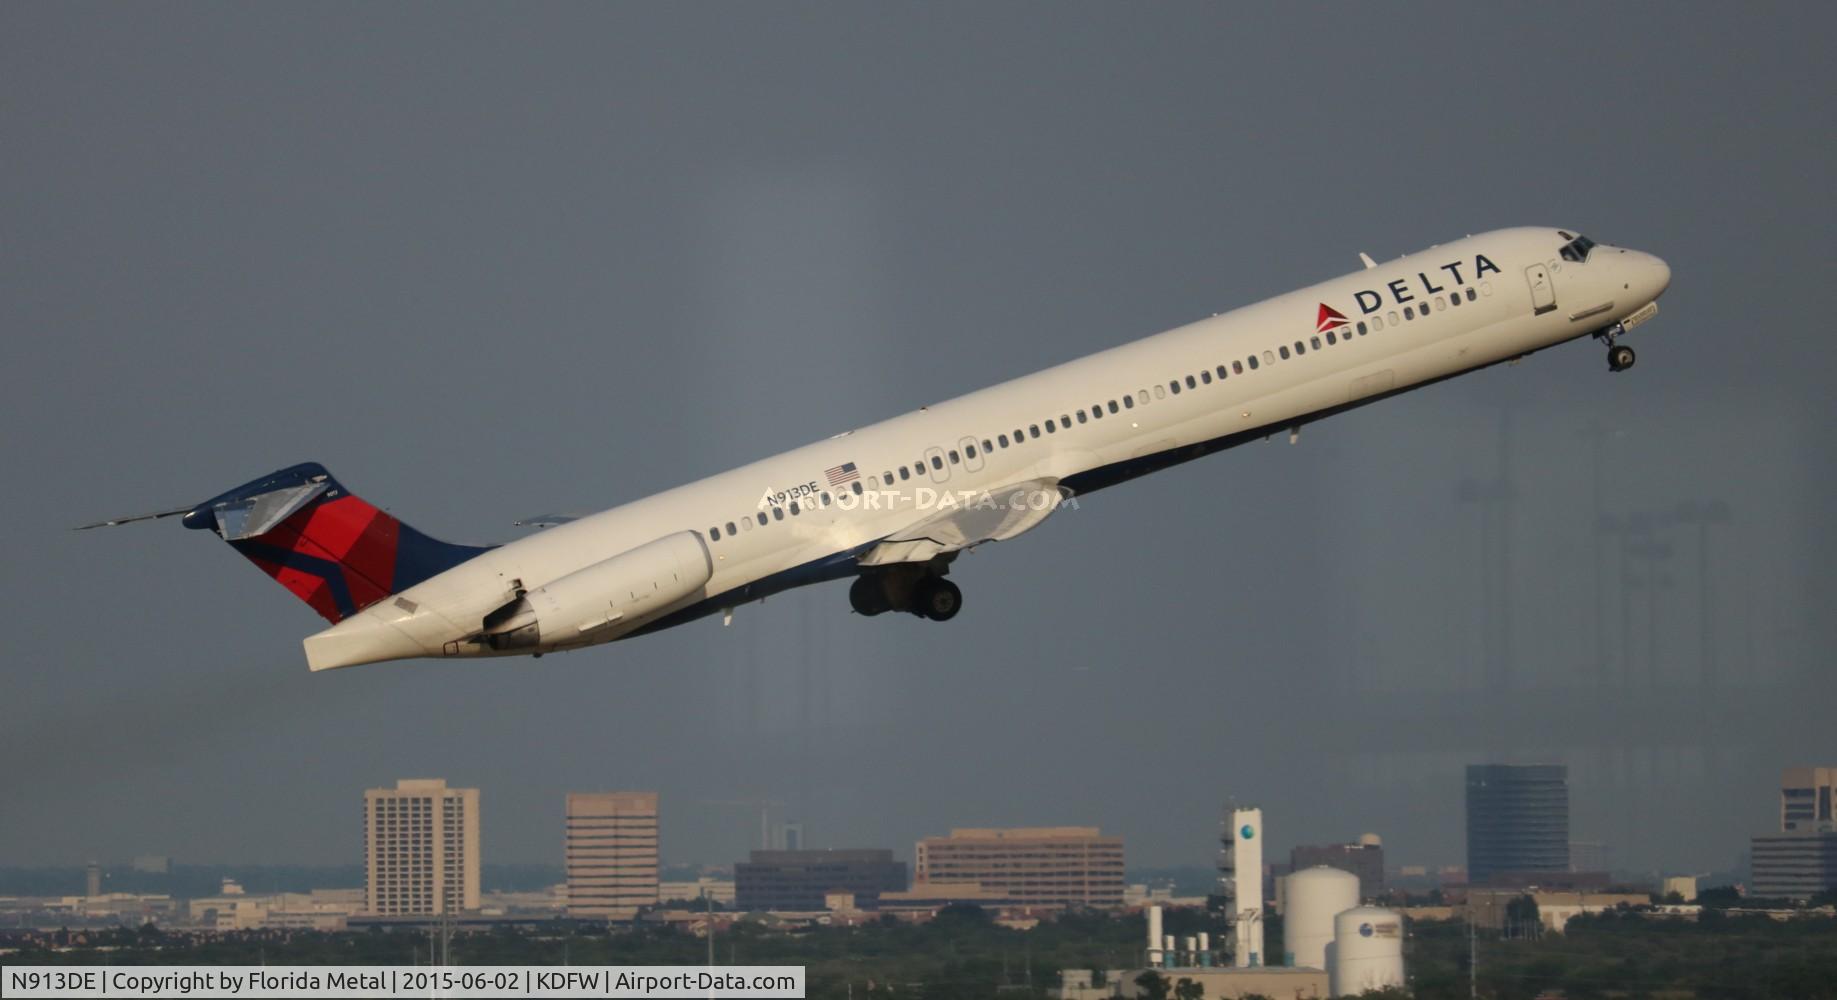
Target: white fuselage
[1523,298]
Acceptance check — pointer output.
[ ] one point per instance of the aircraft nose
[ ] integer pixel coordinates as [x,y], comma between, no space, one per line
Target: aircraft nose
[1652,276]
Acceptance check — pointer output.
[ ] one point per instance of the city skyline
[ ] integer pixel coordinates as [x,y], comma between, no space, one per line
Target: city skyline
[532,263]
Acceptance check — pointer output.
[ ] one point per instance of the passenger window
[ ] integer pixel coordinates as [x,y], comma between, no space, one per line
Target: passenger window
[1097,412]
[730,529]
[1174,385]
[762,518]
[1470,295]
[953,458]
[1393,317]
[824,497]
[1455,299]
[856,486]
[1034,429]
[937,464]
[1189,382]
[746,523]
[1081,416]
[1112,406]
[1003,438]
[887,478]
[1141,396]
[1440,304]
[1284,352]
[714,534]
[1330,339]
[1253,362]
[1361,328]
[1049,426]
[1269,357]
[1065,420]
[1160,393]
[1018,436]
[778,514]
[1222,373]
[1128,402]
[987,446]
[1315,341]
[1409,312]
[903,474]
[794,508]
[1237,367]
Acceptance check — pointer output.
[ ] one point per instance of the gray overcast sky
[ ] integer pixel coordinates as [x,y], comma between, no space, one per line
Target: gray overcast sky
[490,261]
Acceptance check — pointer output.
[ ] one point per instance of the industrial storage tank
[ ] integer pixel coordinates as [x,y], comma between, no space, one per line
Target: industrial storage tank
[1367,951]
[1314,897]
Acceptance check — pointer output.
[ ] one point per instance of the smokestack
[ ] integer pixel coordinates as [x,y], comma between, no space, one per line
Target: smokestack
[1154,936]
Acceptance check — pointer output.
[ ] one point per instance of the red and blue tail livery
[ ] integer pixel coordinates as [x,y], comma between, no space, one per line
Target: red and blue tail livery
[333,549]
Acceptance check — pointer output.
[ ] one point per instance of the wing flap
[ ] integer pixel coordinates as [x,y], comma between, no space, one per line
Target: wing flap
[992,516]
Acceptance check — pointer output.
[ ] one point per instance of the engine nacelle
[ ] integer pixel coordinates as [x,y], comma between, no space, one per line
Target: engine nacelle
[606,599]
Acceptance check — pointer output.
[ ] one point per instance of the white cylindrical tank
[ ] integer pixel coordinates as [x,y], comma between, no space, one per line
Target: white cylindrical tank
[1367,951]
[1315,896]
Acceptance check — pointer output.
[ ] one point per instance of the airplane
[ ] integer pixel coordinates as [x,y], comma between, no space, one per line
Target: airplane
[892,505]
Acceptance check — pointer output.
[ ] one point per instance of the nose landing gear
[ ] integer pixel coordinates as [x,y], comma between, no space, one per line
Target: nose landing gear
[1619,356]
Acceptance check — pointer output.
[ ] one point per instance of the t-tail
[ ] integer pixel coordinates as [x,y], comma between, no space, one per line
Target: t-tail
[333,549]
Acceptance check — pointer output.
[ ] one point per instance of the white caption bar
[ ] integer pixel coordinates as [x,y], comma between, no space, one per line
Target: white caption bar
[400,981]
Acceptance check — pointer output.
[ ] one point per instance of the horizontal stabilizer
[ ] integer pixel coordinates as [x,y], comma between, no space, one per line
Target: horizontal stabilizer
[111,522]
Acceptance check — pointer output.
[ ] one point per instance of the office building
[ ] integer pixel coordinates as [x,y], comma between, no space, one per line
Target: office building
[421,850]
[1364,859]
[1793,865]
[1517,820]
[801,880]
[611,854]
[1805,799]
[1032,866]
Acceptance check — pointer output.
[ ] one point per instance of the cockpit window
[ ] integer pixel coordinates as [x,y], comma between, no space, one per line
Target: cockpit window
[1577,249]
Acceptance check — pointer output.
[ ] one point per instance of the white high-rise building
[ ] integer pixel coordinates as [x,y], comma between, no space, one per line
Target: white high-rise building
[421,852]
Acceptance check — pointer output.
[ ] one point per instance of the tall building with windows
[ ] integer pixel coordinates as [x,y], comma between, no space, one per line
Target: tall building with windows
[1800,861]
[1806,795]
[611,854]
[1030,866]
[1517,820]
[421,852]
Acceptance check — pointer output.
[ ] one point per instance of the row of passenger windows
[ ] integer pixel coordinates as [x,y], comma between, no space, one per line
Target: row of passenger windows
[1097,411]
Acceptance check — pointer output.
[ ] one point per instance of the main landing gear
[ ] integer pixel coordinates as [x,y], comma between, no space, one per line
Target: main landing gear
[918,591]
[1620,357]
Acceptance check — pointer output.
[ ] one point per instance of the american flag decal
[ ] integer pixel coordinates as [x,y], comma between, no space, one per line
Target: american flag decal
[844,473]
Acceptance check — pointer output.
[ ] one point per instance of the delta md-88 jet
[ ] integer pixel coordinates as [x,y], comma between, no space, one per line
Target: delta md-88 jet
[893,504]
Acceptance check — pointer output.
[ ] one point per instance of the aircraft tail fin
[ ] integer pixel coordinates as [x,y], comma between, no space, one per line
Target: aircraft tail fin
[330,547]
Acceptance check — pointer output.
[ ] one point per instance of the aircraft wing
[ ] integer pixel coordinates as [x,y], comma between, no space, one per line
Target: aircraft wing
[967,521]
